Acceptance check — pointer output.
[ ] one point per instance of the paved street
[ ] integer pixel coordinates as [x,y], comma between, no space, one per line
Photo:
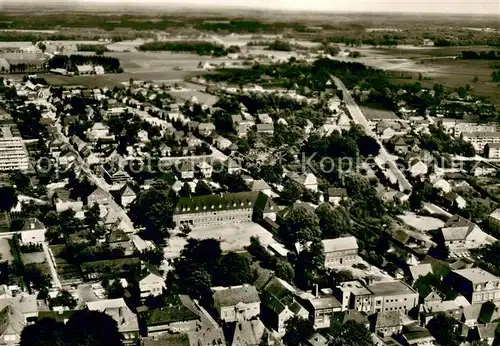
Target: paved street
[359,118]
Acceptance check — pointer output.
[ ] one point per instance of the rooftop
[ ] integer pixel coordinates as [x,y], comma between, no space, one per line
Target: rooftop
[387,288]
[340,244]
[476,275]
[355,287]
[233,295]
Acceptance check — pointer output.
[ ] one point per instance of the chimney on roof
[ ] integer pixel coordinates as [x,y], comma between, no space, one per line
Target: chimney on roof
[32,225]
[315,290]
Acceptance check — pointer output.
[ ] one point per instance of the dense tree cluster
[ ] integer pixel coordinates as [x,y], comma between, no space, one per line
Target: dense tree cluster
[201,265]
[198,47]
[97,48]
[153,209]
[439,141]
[84,328]
[485,55]
[110,64]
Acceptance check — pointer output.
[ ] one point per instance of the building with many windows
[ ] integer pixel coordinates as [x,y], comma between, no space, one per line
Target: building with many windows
[476,285]
[13,153]
[393,295]
[220,209]
[480,139]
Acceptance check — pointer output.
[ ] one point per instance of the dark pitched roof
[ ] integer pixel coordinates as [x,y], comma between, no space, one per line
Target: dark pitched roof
[226,201]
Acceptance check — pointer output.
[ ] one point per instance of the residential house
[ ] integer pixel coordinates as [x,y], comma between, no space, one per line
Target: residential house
[206,129]
[260,186]
[63,202]
[99,131]
[495,216]
[454,200]
[222,143]
[336,195]
[265,128]
[232,166]
[248,333]
[176,317]
[186,169]
[354,295]
[308,180]
[151,283]
[459,233]
[205,169]
[236,303]
[12,325]
[393,295]
[441,185]
[33,232]
[340,251]
[321,307]
[415,335]
[419,270]
[492,150]
[126,320]
[485,333]
[85,69]
[127,196]
[433,304]
[417,168]
[118,239]
[387,323]
[476,285]
[98,196]
[279,304]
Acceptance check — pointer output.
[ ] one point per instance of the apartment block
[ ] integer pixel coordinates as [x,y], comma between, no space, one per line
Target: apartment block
[480,139]
[13,153]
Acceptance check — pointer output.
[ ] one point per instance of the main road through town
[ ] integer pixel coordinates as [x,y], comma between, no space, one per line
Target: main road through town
[359,118]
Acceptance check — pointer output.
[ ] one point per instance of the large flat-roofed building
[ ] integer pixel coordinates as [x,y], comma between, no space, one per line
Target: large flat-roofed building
[354,295]
[480,139]
[393,295]
[476,285]
[13,153]
[221,209]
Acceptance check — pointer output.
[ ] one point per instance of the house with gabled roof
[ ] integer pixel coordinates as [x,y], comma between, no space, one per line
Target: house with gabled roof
[12,323]
[459,233]
[127,195]
[279,304]
[236,303]
[33,232]
[98,196]
[151,282]
[307,180]
[186,169]
[126,320]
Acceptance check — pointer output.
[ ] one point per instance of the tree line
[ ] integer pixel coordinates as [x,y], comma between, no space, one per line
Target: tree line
[198,47]
[110,64]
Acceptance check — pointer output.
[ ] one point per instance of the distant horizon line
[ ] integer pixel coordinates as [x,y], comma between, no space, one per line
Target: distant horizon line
[144,9]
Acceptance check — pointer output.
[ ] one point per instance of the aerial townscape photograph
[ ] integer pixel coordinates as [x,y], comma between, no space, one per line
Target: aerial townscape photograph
[249,173]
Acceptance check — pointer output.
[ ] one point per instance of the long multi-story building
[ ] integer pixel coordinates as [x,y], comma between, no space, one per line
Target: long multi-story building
[13,153]
[480,139]
[476,285]
[220,209]
[455,127]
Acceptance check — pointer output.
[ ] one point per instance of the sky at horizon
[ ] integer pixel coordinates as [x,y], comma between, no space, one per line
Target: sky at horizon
[491,7]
